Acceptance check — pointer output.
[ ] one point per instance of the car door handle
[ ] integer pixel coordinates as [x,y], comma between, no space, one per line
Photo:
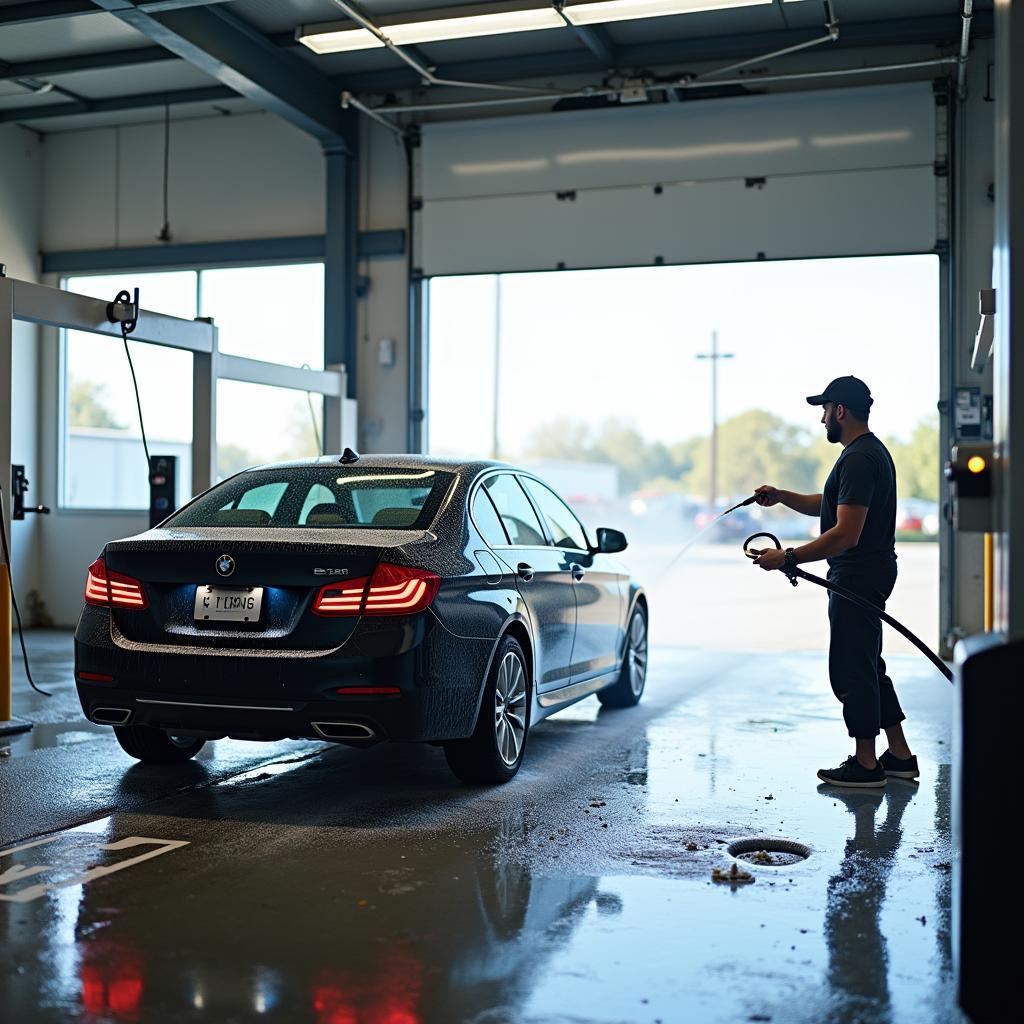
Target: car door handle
[578,572]
[524,572]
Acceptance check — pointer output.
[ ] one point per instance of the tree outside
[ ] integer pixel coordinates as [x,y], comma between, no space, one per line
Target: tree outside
[86,406]
[754,447]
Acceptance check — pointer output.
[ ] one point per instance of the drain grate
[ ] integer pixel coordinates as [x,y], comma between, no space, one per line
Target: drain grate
[764,852]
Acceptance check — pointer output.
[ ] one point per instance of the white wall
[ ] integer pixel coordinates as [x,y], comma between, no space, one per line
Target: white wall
[247,176]
[19,250]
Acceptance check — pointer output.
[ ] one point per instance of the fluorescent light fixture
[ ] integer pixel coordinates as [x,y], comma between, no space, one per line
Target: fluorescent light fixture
[333,38]
[493,19]
[432,26]
[475,25]
[629,10]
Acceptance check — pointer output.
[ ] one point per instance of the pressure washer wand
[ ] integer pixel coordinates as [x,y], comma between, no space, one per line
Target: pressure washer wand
[739,504]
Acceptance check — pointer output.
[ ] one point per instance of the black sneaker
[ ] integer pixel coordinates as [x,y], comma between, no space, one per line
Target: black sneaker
[852,774]
[897,768]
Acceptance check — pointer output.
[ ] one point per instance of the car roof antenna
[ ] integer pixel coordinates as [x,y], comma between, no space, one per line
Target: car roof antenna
[349,455]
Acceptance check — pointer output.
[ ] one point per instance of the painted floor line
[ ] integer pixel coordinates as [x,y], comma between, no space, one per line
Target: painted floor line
[19,872]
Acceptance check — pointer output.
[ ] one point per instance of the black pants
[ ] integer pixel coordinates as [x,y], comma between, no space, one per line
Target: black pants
[855,665]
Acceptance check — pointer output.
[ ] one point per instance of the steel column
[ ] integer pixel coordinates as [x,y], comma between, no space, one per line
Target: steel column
[1008,277]
[204,418]
[6,381]
[340,256]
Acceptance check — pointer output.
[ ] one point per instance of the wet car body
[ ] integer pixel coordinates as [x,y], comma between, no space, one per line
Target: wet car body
[293,673]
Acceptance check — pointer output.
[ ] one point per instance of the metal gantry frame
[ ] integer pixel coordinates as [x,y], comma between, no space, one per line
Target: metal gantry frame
[39,304]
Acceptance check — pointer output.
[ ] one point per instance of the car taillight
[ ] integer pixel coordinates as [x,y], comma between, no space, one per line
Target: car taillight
[106,588]
[341,598]
[391,590]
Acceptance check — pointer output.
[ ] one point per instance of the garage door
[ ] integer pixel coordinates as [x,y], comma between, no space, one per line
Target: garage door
[822,173]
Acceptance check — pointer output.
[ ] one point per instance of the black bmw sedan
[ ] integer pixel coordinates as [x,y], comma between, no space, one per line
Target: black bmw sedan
[360,599]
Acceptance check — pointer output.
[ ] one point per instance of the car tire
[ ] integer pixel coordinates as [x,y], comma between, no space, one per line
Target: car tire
[502,725]
[627,690]
[155,746]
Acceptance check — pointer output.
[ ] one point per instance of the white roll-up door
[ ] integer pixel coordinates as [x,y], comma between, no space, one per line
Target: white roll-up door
[819,173]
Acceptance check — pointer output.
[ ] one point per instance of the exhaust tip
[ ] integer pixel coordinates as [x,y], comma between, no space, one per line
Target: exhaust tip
[344,731]
[111,716]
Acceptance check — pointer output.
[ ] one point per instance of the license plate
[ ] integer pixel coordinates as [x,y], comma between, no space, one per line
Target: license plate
[224,604]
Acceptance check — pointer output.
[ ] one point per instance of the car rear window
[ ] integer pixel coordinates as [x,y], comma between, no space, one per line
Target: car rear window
[321,497]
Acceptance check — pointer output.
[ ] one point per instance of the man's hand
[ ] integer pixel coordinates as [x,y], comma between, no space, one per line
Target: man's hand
[767,495]
[771,558]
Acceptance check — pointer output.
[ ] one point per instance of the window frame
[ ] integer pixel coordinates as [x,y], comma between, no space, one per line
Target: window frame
[479,488]
[540,512]
[62,506]
[516,474]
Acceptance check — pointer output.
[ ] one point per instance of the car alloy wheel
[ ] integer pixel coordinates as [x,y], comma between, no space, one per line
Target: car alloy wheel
[636,654]
[510,708]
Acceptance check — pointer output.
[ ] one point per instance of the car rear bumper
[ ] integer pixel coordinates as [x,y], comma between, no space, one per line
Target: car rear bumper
[419,715]
[285,694]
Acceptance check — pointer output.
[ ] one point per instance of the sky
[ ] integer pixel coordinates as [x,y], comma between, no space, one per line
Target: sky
[594,344]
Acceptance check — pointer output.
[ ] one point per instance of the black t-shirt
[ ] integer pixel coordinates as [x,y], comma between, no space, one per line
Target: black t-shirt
[864,475]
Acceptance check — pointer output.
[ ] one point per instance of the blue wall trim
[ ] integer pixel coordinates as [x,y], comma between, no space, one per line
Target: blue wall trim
[254,250]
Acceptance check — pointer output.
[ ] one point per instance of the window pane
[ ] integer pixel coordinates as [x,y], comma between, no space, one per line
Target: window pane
[565,530]
[258,424]
[321,497]
[104,461]
[462,362]
[487,520]
[515,510]
[271,313]
[266,497]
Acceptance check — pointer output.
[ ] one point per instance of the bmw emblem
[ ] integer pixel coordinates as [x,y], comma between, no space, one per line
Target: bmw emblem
[225,565]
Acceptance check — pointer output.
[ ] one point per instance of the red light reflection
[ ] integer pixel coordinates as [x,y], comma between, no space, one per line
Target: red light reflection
[386,993]
[113,986]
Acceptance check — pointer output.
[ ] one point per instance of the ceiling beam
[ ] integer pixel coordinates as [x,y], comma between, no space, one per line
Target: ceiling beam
[43,68]
[931,30]
[114,104]
[48,10]
[241,58]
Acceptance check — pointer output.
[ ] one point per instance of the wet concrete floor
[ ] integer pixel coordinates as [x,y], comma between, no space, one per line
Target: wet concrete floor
[303,882]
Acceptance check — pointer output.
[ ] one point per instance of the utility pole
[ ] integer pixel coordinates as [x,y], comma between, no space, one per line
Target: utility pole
[497,364]
[714,355]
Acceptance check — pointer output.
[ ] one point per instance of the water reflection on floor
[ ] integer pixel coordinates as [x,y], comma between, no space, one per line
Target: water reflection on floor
[342,887]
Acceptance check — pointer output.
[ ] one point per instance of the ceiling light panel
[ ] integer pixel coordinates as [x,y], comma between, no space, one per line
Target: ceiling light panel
[630,10]
[475,22]
[433,26]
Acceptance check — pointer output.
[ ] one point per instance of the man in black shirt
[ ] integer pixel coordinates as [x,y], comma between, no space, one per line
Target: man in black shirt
[858,531]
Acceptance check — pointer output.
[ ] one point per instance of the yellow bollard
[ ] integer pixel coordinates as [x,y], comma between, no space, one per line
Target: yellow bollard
[990,581]
[5,644]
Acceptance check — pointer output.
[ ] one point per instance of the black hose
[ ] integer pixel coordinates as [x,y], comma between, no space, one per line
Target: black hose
[14,600]
[795,574]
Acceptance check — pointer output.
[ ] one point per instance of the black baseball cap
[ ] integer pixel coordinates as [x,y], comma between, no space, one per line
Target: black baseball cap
[849,391]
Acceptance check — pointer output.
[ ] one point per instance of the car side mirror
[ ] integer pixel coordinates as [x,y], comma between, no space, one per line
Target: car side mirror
[610,541]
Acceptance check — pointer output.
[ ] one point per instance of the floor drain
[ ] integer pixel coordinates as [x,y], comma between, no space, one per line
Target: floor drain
[777,853]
